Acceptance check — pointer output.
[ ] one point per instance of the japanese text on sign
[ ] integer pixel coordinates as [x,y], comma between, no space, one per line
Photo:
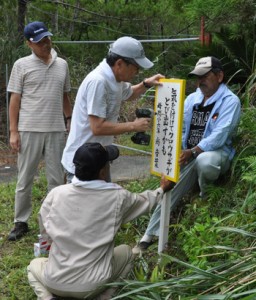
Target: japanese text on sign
[168,128]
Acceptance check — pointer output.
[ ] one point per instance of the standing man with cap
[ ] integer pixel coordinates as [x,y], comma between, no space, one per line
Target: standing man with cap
[100,96]
[39,86]
[81,221]
[211,116]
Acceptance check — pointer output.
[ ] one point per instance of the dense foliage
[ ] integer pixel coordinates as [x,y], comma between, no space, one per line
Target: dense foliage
[231,23]
[212,244]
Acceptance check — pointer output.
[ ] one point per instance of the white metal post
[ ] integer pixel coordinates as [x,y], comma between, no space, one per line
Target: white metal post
[164,221]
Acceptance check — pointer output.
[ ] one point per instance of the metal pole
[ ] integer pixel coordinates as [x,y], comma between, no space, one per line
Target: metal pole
[164,222]
[142,41]
[133,149]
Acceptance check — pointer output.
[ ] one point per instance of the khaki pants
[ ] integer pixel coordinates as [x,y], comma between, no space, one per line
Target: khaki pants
[34,147]
[122,264]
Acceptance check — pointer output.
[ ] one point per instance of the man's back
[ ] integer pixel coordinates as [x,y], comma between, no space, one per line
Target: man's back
[82,222]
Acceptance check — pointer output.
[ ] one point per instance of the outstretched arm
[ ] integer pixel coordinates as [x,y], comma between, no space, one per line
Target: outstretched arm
[142,87]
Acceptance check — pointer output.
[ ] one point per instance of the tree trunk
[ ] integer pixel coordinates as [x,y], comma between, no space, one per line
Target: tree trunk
[75,17]
[22,8]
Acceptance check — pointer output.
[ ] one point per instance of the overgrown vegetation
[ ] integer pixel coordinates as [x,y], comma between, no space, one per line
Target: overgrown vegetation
[211,251]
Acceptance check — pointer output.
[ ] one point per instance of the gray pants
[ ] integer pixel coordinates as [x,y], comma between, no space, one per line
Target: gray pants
[34,147]
[206,168]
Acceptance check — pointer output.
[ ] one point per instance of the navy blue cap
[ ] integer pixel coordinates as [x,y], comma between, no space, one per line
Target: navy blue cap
[35,31]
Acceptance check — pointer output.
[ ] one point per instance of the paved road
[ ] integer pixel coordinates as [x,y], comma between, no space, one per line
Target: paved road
[130,167]
[124,168]
[7,173]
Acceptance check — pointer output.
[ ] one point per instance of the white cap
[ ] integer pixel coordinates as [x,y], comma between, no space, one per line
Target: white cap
[205,65]
[129,47]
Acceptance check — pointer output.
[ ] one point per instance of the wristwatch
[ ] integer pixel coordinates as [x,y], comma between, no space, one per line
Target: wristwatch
[146,85]
[194,153]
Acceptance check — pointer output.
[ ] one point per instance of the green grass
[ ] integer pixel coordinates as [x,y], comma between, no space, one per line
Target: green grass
[125,139]
[15,256]
[211,252]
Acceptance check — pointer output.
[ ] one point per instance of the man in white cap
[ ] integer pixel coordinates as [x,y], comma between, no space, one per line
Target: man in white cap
[211,116]
[98,101]
[81,220]
[39,85]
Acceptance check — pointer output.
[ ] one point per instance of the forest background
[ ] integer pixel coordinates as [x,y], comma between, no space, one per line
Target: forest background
[212,244]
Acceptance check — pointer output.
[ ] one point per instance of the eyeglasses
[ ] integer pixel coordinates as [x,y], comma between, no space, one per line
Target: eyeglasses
[130,61]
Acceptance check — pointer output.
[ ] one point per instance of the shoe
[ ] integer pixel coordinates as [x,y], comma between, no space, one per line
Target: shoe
[144,245]
[55,297]
[19,230]
[141,247]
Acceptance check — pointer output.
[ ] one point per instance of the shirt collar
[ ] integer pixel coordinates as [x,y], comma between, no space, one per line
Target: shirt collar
[95,184]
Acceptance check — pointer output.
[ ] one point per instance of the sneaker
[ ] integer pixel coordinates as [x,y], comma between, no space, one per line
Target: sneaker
[19,230]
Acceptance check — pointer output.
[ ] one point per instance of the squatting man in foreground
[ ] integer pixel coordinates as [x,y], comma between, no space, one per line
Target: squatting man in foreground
[99,98]
[81,220]
[211,116]
[39,85]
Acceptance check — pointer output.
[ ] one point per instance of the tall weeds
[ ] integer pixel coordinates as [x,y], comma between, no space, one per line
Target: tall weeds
[212,244]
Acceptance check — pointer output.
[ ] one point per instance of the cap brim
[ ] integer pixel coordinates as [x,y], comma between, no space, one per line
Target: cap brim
[113,152]
[200,71]
[39,37]
[144,62]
